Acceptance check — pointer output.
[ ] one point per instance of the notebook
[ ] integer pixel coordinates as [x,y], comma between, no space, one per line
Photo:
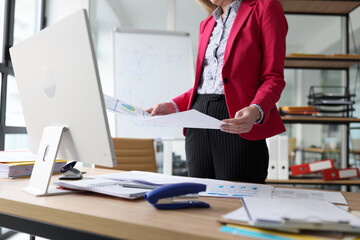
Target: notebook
[104,186]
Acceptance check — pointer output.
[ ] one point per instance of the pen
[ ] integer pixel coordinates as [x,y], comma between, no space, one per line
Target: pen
[136,185]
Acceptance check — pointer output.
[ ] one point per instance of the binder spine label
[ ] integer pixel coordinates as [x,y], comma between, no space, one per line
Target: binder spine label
[320,166]
[348,173]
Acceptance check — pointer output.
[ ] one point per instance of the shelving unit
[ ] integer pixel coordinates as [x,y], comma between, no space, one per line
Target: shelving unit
[325,153]
[319,7]
[322,150]
[320,182]
[326,62]
[320,120]
[341,62]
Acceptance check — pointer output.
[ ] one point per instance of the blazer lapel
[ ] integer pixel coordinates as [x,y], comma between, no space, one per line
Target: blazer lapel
[244,11]
[202,47]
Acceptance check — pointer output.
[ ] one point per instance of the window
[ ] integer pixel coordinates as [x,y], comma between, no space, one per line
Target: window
[16,142]
[2,17]
[14,114]
[19,20]
[26,21]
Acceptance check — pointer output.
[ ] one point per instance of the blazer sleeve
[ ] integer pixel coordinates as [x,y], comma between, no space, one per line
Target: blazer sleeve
[273,44]
[182,101]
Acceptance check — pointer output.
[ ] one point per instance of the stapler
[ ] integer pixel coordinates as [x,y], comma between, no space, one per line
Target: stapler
[175,196]
[70,173]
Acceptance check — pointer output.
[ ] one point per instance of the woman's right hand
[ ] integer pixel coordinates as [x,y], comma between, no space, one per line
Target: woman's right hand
[161,109]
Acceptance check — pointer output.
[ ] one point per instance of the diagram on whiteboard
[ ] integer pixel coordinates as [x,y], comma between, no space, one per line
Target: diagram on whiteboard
[138,62]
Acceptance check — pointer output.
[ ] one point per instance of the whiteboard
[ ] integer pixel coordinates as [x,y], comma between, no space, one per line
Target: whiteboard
[150,67]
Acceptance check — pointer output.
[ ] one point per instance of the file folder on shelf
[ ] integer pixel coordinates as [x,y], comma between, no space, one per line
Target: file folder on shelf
[273,148]
[343,173]
[312,167]
[278,147]
[283,157]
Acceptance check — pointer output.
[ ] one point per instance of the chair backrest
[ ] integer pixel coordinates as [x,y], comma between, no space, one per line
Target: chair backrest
[134,154]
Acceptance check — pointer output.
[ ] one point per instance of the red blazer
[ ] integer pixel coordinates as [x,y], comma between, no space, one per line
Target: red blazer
[253,68]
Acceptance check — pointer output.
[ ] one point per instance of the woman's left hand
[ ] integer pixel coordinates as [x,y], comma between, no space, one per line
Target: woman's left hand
[243,121]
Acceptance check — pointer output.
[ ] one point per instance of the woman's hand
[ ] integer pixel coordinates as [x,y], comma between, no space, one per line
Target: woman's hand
[243,121]
[161,109]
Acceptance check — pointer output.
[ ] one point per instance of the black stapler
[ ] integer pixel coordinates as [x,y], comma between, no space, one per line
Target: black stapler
[70,173]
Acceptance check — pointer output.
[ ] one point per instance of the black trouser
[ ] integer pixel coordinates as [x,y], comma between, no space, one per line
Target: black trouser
[218,155]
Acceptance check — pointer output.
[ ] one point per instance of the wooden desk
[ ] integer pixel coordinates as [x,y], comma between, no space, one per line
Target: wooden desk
[94,216]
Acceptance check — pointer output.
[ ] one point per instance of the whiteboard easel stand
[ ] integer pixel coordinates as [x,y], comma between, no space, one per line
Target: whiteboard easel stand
[171,13]
[167,157]
[168,148]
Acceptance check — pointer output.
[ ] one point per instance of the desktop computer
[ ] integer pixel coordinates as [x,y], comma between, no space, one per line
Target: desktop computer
[62,99]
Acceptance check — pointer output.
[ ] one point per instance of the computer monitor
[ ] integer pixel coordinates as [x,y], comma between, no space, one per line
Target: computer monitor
[62,99]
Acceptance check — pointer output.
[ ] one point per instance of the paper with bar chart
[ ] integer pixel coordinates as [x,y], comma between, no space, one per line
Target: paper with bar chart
[187,119]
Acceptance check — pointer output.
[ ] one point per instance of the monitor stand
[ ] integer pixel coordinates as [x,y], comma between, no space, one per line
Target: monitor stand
[44,164]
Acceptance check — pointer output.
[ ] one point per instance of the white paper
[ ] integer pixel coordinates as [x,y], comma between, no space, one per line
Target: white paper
[215,188]
[17,156]
[334,197]
[343,207]
[219,188]
[305,210]
[149,178]
[104,186]
[186,119]
[239,215]
[118,106]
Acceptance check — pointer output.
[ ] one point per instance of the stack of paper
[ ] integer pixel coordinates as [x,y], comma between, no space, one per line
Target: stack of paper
[104,186]
[295,193]
[294,215]
[15,164]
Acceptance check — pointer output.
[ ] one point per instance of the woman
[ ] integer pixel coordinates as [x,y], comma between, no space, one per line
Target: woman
[239,78]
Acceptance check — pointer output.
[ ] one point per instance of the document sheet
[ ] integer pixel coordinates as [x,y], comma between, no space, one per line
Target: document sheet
[300,214]
[188,119]
[292,193]
[104,186]
[215,188]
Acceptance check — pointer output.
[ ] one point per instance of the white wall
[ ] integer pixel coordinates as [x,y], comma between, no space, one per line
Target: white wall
[59,9]
[2,8]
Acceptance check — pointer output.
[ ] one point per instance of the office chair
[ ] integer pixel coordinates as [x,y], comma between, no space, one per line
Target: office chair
[134,154]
